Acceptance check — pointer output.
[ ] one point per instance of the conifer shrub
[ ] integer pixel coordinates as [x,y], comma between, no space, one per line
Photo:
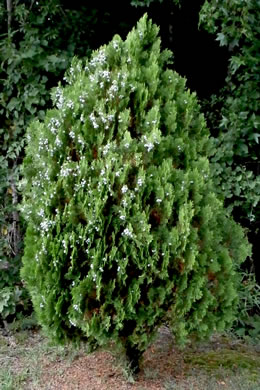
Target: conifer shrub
[124,230]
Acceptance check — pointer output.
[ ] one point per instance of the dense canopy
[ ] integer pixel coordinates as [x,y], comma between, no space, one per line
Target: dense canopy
[124,229]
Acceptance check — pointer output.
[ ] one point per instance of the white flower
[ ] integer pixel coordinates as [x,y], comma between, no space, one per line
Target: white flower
[124,189]
[93,120]
[106,149]
[72,134]
[115,45]
[124,202]
[149,146]
[70,104]
[45,225]
[100,58]
[65,171]
[41,213]
[60,98]
[127,233]
[106,74]
[158,200]
[53,125]
[58,141]
[76,307]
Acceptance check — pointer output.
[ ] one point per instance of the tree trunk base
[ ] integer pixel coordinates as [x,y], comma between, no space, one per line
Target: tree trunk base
[133,356]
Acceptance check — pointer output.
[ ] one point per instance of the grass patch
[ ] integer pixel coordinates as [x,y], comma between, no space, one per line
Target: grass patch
[227,359]
[26,357]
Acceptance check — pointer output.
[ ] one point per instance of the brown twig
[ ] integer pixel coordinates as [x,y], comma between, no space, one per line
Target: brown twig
[9,6]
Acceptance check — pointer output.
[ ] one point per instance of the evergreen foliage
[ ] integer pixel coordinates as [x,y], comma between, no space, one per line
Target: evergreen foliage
[124,229]
[35,51]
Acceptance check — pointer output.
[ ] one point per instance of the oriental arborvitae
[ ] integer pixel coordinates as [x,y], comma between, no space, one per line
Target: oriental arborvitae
[124,230]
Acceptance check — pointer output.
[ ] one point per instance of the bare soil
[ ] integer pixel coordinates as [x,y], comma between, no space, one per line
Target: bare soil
[222,363]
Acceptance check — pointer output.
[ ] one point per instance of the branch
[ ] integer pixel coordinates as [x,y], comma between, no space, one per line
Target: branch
[9,5]
[16,236]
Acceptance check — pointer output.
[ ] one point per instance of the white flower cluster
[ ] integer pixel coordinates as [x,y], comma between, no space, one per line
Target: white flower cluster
[99,59]
[113,89]
[70,104]
[53,125]
[105,74]
[124,203]
[93,120]
[139,184]
[154,122]
[42,175]
[59,98]
[115,45]
[76,307]
[72,134]
[45,225]
[105,119]
[43,144]
[81,141]
[58,142]
[127,233]
[82,99]
[82,184]
[72,74]
[65,171]
[118,172]
[106,149]
[36,183]
[149,144]
[41,213]
[124,189]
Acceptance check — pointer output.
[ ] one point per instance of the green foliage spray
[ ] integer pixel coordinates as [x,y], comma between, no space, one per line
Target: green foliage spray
[124,229]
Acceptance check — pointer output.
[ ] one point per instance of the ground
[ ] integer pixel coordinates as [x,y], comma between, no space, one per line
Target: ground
[29,362]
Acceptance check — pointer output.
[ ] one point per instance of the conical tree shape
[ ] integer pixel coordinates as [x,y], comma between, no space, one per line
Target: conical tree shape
[123,226]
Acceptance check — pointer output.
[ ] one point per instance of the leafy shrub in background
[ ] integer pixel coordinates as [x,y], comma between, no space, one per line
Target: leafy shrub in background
[247,324]
[123,226]
[234,122]
[147,3]
[233,114]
